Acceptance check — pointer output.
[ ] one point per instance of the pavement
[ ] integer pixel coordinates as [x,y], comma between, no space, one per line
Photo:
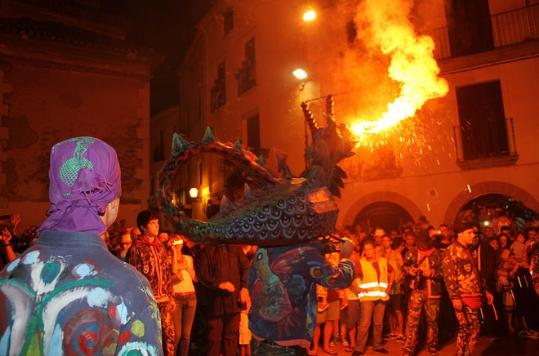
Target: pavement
[485,346]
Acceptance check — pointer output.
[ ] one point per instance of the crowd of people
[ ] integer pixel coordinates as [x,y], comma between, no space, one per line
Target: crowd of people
[410,261]
[80,284]
[430,271]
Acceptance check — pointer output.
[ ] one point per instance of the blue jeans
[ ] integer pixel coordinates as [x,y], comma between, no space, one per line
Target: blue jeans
[183,317]
[370,310]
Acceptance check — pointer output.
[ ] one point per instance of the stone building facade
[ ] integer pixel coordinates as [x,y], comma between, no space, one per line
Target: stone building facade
[66,70]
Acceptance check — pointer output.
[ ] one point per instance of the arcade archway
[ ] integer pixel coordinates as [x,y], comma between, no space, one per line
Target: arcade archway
[383,214]
[497,210]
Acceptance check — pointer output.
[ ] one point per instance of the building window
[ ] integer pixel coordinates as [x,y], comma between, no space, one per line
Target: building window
[218,90]
[482,121]
[253,133]
[228,20]
[246,76]
[471,29]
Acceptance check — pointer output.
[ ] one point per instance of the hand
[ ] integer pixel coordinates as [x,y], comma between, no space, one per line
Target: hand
[229,287]
[490,297]
[172,305]
[457,304]
[347,248]
[362,290]
[15,220]
[6,236]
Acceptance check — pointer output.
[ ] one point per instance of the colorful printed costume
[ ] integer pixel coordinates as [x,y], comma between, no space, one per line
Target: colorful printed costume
[425,296]
[282,282]
[463,282]
[151,259]
[68,295]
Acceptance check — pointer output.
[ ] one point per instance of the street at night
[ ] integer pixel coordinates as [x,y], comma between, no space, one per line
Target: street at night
[269,177]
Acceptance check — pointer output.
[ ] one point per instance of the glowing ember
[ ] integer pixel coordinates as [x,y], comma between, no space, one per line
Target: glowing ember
[412,62]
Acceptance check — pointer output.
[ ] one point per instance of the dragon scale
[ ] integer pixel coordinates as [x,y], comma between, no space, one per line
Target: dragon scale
[275,210]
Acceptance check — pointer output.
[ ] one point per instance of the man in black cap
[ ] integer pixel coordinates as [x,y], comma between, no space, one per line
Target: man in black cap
[464,286]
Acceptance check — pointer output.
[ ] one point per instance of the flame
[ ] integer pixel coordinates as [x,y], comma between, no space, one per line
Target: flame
[412,62]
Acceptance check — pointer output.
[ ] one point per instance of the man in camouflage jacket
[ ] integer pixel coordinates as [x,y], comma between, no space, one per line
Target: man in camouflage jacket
[423,266]
[465,287]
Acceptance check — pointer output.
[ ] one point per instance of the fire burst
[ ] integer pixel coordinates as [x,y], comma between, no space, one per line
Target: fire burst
[412,62]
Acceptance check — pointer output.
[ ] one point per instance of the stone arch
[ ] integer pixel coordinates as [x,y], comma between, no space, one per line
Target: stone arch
[391,197]
[479,189]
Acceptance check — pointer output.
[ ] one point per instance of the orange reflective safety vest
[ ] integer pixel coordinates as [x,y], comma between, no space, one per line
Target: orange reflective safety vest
[374,288]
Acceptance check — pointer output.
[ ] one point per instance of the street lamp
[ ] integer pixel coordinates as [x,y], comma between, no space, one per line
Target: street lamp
[193,193]
[309,15]
[300,73]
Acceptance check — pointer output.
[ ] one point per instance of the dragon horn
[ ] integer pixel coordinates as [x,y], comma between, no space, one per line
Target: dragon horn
[226,204]
[179,144]
[208,136]
[237,145]
[246,189]
[330,110]
[309,117]
[261,160]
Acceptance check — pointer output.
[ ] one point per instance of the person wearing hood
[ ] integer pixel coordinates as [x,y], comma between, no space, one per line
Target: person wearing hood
[67,294]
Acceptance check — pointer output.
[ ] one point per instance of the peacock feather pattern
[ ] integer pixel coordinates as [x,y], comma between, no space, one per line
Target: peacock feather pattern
[69,171]
[275,210]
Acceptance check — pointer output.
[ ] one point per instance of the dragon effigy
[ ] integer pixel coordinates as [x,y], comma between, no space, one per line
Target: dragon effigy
[276,209]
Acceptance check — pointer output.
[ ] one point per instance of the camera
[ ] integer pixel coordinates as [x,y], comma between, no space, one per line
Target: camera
[419,281]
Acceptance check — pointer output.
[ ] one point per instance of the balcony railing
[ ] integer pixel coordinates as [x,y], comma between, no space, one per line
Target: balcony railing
[246,77]
[486,159]
[509,27]
[516,26]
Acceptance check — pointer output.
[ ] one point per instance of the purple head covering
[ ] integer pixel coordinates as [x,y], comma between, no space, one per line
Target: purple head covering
[84,177]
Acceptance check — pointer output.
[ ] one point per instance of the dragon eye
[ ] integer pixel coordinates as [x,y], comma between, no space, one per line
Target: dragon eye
[258,256]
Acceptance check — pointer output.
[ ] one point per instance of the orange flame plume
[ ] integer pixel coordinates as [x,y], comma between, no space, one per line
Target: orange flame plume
[412,62]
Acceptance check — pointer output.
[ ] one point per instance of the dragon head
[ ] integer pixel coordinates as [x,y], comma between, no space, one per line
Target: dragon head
[329,146]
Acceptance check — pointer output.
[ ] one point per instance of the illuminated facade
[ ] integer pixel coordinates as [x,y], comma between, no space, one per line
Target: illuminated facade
[478,140]
[66,70]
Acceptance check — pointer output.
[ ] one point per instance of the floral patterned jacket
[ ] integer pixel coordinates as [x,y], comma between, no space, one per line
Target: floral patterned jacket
[154,262]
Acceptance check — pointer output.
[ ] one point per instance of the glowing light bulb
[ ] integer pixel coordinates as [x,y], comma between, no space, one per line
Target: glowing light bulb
[309,15]
[300,73]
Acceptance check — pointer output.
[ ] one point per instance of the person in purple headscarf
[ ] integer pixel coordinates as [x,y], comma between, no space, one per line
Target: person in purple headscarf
[68,294]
